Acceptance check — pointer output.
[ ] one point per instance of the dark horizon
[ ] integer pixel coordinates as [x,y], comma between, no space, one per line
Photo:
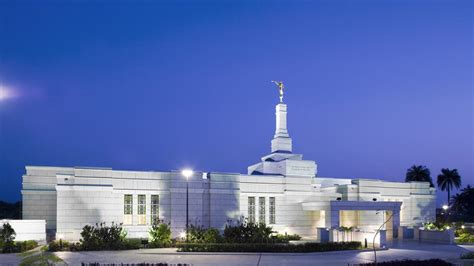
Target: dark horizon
[372,88]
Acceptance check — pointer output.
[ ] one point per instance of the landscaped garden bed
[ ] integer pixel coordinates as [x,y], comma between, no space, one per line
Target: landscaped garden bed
[240,237]
[267,247]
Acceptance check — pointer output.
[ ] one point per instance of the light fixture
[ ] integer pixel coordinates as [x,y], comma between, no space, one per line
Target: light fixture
[182,234]
[187,173]
[462,227]
[445,207]
[447,227]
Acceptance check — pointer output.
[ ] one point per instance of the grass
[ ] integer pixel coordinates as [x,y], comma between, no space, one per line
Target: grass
[27,253]
[39,257]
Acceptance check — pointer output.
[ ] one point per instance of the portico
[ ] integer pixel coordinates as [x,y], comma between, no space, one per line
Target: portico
[364,215]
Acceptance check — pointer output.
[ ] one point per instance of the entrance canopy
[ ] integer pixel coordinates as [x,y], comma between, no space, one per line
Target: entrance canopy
[332,209]
[352,205]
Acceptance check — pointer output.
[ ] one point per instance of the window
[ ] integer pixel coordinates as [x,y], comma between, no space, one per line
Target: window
[272,210]
[261,210]
[155,209]
[251,213]
[141,209]
[127,209]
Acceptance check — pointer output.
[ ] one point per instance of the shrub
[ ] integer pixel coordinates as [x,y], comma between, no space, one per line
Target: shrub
[59,245]
[248,233]
[467,256]
[199,234]
[267,247]
[160,235]
[465,238]
[212,235]
[23,246]
[102,237]
[280,238]
[430,262]
[131,243]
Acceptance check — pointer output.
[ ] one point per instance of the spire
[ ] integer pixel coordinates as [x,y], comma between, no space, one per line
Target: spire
[281,141]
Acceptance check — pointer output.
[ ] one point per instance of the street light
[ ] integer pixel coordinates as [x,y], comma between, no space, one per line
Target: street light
[378,230]
[187,173]
[446,213]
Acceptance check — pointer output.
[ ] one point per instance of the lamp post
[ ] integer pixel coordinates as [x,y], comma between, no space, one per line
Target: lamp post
[187,173]
[446,213]
[376,232]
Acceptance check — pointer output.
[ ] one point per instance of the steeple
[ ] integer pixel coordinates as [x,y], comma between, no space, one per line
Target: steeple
[281,141]
[282,161]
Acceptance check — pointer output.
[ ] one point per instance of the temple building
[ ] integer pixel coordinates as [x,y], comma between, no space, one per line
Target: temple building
[282,190]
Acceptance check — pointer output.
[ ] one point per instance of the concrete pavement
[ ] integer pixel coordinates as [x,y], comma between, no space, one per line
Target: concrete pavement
[398,251]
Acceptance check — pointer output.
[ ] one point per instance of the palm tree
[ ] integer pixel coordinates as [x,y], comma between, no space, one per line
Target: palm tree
[419,173]
[449,179]
[463,204]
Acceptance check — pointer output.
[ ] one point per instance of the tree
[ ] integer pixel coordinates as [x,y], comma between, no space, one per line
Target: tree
[7,238]
[419,173]
[10,210]
[463,205]
[449,179]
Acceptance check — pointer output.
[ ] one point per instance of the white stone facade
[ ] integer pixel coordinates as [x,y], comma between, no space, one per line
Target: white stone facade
[282,190]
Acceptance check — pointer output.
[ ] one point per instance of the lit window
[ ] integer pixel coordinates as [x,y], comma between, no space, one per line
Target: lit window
[155,209]
[261,210]
[272,210]
[141,209]
[251,210]
[127,209]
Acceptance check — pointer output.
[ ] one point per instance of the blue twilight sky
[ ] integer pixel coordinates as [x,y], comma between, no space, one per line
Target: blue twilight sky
[373,87]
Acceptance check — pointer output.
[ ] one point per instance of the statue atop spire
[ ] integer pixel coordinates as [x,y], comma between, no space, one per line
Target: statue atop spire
[280,88]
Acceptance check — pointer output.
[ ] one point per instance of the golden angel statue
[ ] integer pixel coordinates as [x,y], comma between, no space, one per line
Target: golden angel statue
[280,88]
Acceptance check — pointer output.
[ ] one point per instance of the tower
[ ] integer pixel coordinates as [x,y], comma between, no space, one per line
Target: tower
[281,141]
[282,160]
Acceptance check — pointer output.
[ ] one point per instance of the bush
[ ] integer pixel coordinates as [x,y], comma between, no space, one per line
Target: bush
[467,256]
[131,243]
[160,235]
[248,233]
[23,246]
[431,262]
[280,238]
[267,247]
[199,234]
[102,237]
[59,245]
[465,238]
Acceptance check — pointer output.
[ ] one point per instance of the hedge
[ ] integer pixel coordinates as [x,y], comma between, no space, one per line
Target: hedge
[430,262]
[18,246]
[268,247]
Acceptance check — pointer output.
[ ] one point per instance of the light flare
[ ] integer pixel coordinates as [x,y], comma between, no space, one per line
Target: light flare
[6,93]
